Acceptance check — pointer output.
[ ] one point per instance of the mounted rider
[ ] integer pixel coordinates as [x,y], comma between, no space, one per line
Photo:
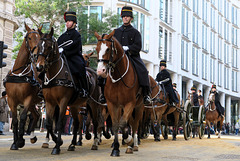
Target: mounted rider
[195,96]
[73,52]
[164,78]
[130,39]
[220,109]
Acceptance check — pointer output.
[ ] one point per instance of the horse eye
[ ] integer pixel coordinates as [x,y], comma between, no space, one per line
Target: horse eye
[108,49]
[29,38]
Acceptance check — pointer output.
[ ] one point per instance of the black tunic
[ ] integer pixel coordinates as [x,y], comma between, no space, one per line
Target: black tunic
[73,52]
[162,75]
[220,109]
[195,99]
[131,37]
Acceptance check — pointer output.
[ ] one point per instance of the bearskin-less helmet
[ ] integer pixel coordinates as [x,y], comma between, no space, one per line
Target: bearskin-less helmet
[126,11]
[194,88]
[163,63]
[70,16]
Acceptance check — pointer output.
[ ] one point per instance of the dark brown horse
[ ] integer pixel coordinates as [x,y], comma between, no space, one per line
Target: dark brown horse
[212,116]
[58,90]
[22,88]
[122,89]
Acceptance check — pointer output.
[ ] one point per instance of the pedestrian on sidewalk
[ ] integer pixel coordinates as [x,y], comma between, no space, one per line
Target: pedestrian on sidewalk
[3,111]
[237,127]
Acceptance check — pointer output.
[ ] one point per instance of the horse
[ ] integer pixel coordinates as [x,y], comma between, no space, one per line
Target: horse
[212,116]
[160,109]
[86,57]
[58,90]
[122,90]
[22,88]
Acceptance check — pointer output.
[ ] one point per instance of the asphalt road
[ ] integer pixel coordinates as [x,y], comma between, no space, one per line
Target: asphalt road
[226,148]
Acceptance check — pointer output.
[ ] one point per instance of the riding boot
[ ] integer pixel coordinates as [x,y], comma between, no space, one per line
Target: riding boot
[146,97]
[83,91]
[101,83]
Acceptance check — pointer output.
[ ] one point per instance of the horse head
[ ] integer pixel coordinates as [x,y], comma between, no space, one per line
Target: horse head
[211,97]
[86,57]
[47,51]
[31,39]
[107,49]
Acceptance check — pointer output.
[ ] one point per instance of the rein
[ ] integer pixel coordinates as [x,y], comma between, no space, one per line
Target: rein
[111,65]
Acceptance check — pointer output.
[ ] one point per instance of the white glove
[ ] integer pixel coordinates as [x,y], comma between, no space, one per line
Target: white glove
[125,48]
[60,50]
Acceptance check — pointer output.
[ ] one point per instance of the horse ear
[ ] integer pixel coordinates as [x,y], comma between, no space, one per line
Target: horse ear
[111,34]
[40,32]
[26,27]
[40,28]
[90,54]
[52,31]
[97,35]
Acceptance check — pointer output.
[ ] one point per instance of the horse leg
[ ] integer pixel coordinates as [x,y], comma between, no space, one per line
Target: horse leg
[80,117]
[176,118]
[23,118]
[166,127]
[208,125]
[14,145]
[215,128]
[46,143]
[114,113]
[35,114]
[74,113]
[56,149]
[88,136]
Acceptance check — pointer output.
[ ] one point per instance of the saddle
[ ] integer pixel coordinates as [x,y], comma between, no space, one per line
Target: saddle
[25,79]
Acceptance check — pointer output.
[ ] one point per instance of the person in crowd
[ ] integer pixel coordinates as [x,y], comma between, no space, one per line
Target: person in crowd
[163,77]
[3,111]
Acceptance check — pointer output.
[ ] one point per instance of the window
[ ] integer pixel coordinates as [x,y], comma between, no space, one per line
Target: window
[195,6]
[195,61]
[186,2]
[184,55]
[219,74]
[234,58]
[146,36]
[226,31]
[226,53]
[204,10]
[226,78]
[166,11]
[234,36]
[212,20]
[142,22]
[195,30]
[220,5]
[204,37]
[161,10]
[220,49]
[204,66]
[185,22]
[220,25]
[212,70]
[135,20]
[160,49]
[234,81]
[212,43]
[166,45]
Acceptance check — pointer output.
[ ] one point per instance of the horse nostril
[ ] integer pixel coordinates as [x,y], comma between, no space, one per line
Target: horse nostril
[104,70]
[39,68]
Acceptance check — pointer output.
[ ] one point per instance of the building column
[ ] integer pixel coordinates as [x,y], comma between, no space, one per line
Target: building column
[199,86]
[206,94]
[150,68]
[228,109]
[189,85]
[222,98]
[238,107]
[179,86]
[155,71]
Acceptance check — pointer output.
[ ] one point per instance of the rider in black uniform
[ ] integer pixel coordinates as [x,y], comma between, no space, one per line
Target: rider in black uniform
[73,52]
[195,96]
[220,109]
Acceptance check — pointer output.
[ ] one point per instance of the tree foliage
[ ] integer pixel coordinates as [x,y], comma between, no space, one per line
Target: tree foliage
[49,13]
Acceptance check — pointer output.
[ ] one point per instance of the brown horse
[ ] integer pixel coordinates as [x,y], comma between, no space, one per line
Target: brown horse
[86,57]
[22,88]
[212,116]
[122,89]
[58,90]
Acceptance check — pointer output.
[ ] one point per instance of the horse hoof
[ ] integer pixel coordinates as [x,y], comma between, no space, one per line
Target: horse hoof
[21,143]
[71,147]
[129,151]
[55,151]
[33,140]
[112,145]
[208,137]
[45,145]
[115,153]
[14,147]
[165,137]
[135,148]
[139,142]
[94,147]
[61,142]
[157,139]
[174,139]
[88,136]
[79,143]
[107,136]
[123,142]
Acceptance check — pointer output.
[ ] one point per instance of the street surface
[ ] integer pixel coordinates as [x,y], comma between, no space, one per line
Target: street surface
[226,148]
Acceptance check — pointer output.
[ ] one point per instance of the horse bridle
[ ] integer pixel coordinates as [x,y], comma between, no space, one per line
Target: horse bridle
[27,44]
[210,104]
[53,52]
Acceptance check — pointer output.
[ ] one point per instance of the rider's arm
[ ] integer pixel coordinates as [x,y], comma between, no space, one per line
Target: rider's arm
[135,48]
